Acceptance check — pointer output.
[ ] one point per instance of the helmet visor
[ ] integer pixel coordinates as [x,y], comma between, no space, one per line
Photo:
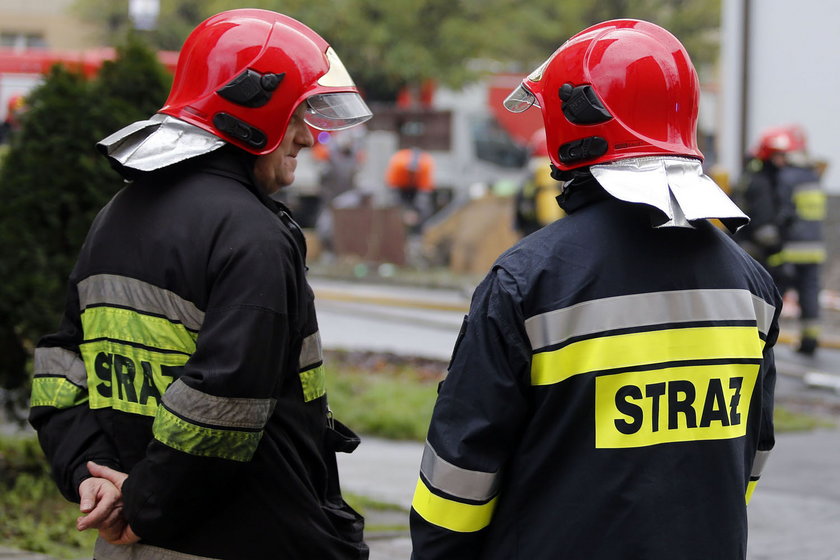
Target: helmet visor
[520,100]
[336,111]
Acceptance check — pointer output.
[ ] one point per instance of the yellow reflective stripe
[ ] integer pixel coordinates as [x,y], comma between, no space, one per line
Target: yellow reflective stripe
[131,326]
[798,256]
[750,490]
[314,383]
[56,392]
[455,516]
[128,378]
[179,434]
[810,204]
[644,348]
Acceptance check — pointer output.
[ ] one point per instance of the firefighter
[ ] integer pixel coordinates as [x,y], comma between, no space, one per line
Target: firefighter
[610,394]
[182,402]
[535,202]
[787,206]
[410,176]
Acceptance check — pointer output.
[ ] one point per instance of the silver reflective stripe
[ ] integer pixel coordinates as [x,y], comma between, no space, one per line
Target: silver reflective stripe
[763,314]
[197,406]
[311,352]
[103,550]
[60,361]
[804,246]
[110,289]
[639,310]
[758,463]
[455,481]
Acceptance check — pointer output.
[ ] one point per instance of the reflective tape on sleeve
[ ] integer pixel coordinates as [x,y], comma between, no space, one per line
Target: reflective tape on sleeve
[199,407]
[750,490]
[311,352]
[61,362]
[758,463]
[449,514]
[57,392]
[453,480]
[177,433]
[314,383]
[60,378]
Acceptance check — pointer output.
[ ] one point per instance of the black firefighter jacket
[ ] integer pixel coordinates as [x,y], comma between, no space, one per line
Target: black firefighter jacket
[609,397]
[189,357]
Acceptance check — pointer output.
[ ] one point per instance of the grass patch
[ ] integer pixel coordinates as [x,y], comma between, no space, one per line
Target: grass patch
[787,420]
[380,517]
[385,396]
[35,515]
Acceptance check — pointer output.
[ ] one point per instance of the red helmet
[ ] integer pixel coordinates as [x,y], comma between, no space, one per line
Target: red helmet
[619,89]
[242,73]
[785,139]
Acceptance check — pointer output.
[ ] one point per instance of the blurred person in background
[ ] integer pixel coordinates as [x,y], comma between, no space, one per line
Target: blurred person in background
[784,198]
[410,176]
[535,202]
[340,166]
[610,394]
[182,402]
[11,124]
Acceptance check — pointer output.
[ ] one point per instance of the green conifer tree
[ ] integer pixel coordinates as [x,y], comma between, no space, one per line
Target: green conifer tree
[52,184]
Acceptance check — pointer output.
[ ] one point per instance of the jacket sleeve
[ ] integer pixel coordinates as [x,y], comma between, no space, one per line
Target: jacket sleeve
[766,435]
[69,434]
[212,418]
[478,415]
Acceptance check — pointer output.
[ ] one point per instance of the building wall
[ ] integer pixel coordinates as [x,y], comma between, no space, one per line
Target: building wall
[791,77]
[46,23]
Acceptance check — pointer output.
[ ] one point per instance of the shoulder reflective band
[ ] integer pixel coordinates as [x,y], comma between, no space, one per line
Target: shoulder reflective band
[312,375]
[449,514]
[461,483]
[201,424]
[59,380]
[640,310]
[758,466]
[122,291]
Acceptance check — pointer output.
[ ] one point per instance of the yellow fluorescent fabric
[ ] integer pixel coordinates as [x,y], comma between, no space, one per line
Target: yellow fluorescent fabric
[639,409]
[750,489]
[56,392]
[314,383]
[638,349]
[127,378]
[455,516]
[131,326]
[206,442]
[810,205]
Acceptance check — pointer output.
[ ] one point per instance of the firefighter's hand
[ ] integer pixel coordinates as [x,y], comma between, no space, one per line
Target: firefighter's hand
[101,500]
